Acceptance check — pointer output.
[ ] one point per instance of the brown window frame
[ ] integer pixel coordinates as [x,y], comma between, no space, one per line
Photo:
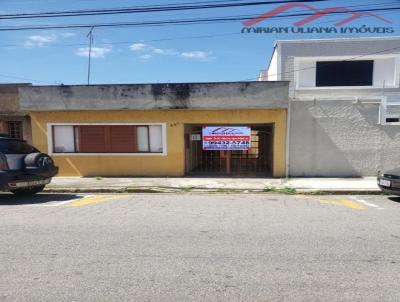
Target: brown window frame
[107,137]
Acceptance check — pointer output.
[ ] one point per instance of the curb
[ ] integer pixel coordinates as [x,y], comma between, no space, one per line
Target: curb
[340,192]
[162,190]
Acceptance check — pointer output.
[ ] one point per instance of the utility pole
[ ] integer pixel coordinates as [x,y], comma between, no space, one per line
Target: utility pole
[90,36]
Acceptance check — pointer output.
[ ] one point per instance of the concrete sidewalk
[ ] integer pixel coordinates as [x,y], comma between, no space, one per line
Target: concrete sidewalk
[365,185]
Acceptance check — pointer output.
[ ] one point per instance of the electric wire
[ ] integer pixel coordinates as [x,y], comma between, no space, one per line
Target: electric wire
[146,9]
[171,22]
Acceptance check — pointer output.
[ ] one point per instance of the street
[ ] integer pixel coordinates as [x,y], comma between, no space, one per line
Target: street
[199,247]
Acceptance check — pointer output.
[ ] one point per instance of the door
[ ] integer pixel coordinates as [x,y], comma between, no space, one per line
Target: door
[257,161]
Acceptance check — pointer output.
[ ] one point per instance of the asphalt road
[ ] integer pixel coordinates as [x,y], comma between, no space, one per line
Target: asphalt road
[199,248]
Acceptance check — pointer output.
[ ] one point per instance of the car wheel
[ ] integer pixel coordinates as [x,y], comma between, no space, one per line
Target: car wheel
[28,191]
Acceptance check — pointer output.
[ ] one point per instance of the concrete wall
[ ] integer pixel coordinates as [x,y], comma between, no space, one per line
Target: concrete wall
[235,95]
[171,164]
[9,102]
[336,138]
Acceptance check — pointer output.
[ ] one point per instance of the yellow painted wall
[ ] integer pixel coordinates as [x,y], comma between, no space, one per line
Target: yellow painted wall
[173,164]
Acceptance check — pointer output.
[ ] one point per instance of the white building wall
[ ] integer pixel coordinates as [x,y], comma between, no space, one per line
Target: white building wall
[386,72]
[272,71]
[331,134]
[305,74]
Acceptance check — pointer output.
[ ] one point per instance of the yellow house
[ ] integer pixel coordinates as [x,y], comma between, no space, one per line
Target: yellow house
[158,129]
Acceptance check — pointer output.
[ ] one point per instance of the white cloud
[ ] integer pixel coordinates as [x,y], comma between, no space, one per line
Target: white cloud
[148,51]
[68,35]
[138,46]
[165,52]
[97,52]
[159,51]
[146,57]
[198,55]
[45,39]
[40,40]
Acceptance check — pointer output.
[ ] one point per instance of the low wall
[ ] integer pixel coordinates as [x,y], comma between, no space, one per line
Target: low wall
[340,139]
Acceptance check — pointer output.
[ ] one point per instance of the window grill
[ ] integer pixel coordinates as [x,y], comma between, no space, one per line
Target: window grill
[257,161]
[15,129]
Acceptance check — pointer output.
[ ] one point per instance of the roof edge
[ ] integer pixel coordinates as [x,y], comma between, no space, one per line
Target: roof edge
[145,84]
[338,39]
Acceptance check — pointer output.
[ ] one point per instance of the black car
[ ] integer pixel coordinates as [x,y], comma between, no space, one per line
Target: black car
[389,182]
[23,169]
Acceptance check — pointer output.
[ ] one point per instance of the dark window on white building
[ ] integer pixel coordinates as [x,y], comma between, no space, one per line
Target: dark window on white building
[344,73]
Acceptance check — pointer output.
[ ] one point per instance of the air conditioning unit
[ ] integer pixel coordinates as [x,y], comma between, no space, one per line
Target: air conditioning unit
[390,113]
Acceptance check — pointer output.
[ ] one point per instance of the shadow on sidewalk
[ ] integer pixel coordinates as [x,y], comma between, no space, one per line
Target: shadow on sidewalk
[9,199]
[395,199]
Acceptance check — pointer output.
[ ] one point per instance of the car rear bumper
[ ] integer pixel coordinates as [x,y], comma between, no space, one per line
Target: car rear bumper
[393,189]
[33,177]
[390,191]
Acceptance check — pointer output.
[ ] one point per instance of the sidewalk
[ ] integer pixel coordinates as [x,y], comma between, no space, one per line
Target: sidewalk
[365,185]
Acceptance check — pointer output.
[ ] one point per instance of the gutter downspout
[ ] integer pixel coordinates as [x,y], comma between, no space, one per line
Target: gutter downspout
[288,125]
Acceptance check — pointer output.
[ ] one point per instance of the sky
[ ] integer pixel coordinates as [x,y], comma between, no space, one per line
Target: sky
[214,52]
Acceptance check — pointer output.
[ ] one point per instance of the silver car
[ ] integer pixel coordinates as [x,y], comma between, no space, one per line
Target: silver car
[389,181]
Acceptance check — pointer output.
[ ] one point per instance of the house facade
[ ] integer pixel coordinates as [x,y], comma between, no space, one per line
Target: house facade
[344,108]
[14,122]
[156,129]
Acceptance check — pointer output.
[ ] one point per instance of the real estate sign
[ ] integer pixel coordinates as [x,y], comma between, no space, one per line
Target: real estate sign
[226,138]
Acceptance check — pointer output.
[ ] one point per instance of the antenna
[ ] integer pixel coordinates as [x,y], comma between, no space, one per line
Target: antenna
[90,36]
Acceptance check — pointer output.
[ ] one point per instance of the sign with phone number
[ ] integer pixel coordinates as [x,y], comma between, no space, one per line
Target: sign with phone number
[226,138]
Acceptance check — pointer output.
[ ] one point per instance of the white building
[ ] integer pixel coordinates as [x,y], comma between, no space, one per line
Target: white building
[344,113]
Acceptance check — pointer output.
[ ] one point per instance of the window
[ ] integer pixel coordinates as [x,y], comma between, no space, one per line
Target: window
[15,129]
[107,139]
[64,139]
[344,73]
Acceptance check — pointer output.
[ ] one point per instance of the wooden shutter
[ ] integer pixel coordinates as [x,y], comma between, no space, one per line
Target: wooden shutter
[107,139]
[123,139]
[92,139]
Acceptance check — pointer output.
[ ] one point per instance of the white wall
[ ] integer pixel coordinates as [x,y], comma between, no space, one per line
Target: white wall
[384,72]
[263,75]
[306,73]
[273,67]
[337,138]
